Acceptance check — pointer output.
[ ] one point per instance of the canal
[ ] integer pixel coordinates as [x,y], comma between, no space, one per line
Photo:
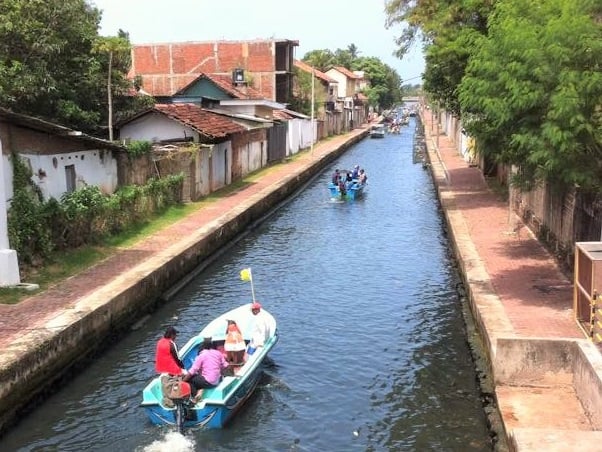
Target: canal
[373,352]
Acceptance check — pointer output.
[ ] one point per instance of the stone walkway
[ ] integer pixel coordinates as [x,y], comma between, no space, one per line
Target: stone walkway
[519,293]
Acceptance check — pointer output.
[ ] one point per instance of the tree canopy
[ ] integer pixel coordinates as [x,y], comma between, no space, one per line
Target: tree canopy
[524,77]
[49,67]
[385,83]
[533,90]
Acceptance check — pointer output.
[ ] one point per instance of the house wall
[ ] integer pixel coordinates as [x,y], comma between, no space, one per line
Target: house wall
[156,127]
[8,178]
[205,88]
[135,170]
[343,88]
[98,168]
[250,152]
[166,68]
[48,154]
[220,162]
[202,173]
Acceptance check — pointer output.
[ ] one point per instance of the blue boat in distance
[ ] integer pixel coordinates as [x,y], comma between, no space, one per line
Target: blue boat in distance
[349,192]
[347,185]
[220,403]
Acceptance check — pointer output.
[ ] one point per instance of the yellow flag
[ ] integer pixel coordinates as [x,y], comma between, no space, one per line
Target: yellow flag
[245,274]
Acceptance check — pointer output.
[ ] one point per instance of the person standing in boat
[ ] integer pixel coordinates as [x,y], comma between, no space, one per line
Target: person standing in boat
[167,360]
[206,370]
[348,180]
[363,177]
[336,176]
[261,328]
[234,345]
[342,187]
[356,172]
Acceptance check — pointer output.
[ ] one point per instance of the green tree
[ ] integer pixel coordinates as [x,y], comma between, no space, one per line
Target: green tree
[532,94]
[45,63]
[322,59]
[353,51]
[385,82]
[302,102]
[54,65]
[448,31]
[114,47]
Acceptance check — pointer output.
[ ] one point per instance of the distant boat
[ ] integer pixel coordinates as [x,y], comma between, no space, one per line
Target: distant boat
[378,131]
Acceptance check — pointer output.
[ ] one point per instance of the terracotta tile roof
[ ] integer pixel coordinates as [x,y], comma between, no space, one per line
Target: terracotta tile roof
[282,115]
[307,68]
[203,121]
[346,72]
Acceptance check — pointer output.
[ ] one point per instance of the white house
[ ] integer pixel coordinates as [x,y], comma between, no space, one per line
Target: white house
[61,160]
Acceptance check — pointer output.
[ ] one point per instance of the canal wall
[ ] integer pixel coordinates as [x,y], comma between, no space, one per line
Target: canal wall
[548,390]
[41,359]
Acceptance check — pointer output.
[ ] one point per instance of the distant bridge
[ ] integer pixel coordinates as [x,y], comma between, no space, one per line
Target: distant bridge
[411,99]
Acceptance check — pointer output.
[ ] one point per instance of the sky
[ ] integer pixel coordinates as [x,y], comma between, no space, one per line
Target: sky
[316,24]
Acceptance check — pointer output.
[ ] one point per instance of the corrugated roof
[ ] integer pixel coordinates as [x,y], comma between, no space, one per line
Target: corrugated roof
[42,125]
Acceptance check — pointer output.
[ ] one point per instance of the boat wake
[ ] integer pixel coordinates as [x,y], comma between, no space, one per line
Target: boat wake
[171,442]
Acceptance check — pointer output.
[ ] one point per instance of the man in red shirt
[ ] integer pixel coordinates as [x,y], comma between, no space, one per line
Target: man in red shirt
[167,360]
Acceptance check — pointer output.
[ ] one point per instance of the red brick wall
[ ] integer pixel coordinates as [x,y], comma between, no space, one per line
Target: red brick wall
[166,68]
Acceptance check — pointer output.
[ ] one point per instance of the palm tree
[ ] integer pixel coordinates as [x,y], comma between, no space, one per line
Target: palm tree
[111,45]
[353,51]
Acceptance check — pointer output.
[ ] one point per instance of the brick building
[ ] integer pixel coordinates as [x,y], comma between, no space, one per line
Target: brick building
[168,67]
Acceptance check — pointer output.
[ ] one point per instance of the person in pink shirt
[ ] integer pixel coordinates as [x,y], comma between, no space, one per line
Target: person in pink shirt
[206,370]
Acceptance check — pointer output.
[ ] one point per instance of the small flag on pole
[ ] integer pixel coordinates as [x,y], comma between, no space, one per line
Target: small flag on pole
[245,274]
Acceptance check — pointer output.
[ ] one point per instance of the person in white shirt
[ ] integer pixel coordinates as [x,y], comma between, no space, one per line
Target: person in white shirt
[261,328]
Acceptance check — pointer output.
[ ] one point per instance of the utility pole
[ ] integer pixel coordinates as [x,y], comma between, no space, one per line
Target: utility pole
[313,93]
[9,265]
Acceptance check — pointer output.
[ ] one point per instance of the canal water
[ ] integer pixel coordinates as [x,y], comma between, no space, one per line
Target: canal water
[373,354]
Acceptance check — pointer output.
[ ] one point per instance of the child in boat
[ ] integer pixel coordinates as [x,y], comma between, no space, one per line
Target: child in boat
[235,344]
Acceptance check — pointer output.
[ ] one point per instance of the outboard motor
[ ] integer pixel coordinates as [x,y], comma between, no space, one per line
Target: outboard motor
[176,392]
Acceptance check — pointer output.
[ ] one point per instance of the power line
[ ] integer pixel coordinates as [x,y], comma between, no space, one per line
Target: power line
[412,78]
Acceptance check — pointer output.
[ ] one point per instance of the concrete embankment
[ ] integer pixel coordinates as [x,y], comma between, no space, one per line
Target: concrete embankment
[65,328]
[547,377]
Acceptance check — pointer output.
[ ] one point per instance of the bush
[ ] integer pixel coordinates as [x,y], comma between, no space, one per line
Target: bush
[85,216]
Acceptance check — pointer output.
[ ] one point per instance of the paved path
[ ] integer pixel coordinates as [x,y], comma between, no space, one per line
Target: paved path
[519,292]
[535,295]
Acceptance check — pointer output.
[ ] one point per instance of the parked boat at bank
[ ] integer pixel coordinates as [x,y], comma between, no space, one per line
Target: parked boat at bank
[218,404]
[378,131]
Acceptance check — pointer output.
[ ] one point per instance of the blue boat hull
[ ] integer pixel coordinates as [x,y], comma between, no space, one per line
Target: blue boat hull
[208,415]
[355,191]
